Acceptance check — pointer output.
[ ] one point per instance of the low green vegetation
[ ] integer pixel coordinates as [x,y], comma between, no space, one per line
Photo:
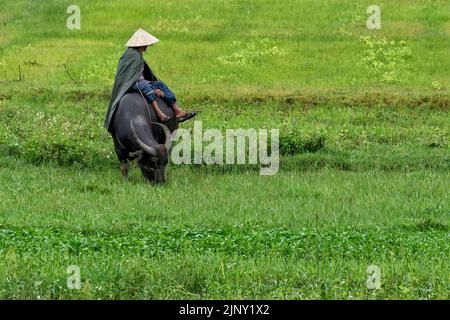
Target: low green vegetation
[364,176]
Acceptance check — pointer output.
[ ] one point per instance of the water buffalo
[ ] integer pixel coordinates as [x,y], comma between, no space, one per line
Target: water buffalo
[137,134]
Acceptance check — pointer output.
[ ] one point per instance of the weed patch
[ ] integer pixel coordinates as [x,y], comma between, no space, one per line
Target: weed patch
[385,60]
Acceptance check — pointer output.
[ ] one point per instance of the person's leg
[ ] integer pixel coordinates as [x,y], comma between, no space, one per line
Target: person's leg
[148,90]
[170,98]
[178,112]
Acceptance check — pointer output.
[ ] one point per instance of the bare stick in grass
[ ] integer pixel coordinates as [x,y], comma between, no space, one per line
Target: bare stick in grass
[68,73]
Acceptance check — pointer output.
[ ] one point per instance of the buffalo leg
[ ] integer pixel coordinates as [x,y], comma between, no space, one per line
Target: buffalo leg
[124,170]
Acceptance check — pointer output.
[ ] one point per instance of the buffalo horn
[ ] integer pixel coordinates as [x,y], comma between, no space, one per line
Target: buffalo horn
[147,149]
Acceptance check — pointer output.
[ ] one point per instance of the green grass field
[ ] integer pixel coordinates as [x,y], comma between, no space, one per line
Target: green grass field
[364,176]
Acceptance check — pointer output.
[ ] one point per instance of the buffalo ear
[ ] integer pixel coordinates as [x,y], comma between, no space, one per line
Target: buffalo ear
[136,154]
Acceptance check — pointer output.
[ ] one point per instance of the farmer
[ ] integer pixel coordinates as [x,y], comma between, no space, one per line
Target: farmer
[133,74]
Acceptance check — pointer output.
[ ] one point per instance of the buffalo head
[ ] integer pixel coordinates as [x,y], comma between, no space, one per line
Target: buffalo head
[153,159]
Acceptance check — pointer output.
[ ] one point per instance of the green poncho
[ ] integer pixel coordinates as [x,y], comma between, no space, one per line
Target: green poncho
[131,65]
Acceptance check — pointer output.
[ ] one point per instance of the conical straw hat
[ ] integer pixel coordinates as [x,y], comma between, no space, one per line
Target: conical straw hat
[141,38]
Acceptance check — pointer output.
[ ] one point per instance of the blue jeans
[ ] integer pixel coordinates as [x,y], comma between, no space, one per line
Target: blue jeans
[148,89]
